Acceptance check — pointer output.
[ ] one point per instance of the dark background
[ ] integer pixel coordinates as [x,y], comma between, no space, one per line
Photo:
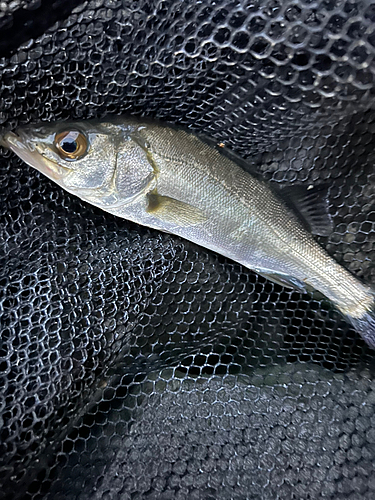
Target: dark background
[136,365]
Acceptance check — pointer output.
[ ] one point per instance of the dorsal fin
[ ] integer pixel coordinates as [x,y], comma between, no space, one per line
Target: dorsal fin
[311,204]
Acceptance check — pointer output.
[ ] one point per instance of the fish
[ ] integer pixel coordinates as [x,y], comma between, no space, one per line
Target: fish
[171,180]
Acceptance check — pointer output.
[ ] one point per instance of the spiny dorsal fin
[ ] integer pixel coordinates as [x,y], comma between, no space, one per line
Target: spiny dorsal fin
[311,204]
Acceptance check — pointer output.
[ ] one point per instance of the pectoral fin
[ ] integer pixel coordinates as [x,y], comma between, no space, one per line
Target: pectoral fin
[283,280]
[171,210]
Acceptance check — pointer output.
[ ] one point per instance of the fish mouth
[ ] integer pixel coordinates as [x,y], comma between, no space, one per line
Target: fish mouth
[32,155]
[15,142]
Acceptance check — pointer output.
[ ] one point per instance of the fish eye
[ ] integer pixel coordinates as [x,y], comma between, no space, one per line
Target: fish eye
[71,144]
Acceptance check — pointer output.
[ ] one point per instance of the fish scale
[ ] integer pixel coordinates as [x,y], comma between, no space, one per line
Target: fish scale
[170,180]
[273,239]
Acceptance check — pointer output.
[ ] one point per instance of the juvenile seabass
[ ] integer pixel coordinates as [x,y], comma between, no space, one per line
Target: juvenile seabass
[172,181]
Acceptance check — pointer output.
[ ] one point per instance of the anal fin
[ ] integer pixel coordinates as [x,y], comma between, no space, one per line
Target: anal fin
[283,280]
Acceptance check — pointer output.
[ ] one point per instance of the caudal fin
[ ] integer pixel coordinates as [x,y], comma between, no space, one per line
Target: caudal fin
[365,326]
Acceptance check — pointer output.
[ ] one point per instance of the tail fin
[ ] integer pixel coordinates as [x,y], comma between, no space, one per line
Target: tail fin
[365,326]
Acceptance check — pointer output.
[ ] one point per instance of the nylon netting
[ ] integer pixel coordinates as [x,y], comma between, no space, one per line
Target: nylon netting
[136,365]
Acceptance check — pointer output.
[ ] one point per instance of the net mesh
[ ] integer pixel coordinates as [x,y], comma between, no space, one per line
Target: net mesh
[137,365]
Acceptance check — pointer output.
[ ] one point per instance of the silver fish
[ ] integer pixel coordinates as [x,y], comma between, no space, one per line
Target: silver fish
[172,181]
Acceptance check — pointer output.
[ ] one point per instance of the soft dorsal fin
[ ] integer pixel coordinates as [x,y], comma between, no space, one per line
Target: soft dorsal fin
[311,204]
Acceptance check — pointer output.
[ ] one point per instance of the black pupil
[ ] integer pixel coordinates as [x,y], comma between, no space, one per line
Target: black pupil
[69,145]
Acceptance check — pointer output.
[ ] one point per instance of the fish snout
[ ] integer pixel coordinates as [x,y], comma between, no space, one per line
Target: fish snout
[16,141]
[9,139]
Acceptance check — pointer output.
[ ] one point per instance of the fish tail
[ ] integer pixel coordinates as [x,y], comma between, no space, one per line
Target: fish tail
[365,326]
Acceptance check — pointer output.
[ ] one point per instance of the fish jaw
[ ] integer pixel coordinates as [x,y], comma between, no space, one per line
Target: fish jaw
[29,153]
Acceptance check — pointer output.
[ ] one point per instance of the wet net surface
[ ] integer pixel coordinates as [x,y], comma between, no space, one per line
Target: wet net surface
[134,364]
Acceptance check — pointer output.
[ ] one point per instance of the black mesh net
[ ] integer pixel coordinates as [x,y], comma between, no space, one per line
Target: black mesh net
[137,365]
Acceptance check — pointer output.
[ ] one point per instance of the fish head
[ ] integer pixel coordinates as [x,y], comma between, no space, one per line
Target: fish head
[96,161]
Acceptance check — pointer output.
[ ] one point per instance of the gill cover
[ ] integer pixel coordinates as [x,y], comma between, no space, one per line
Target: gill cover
[135,173]
[102,163]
